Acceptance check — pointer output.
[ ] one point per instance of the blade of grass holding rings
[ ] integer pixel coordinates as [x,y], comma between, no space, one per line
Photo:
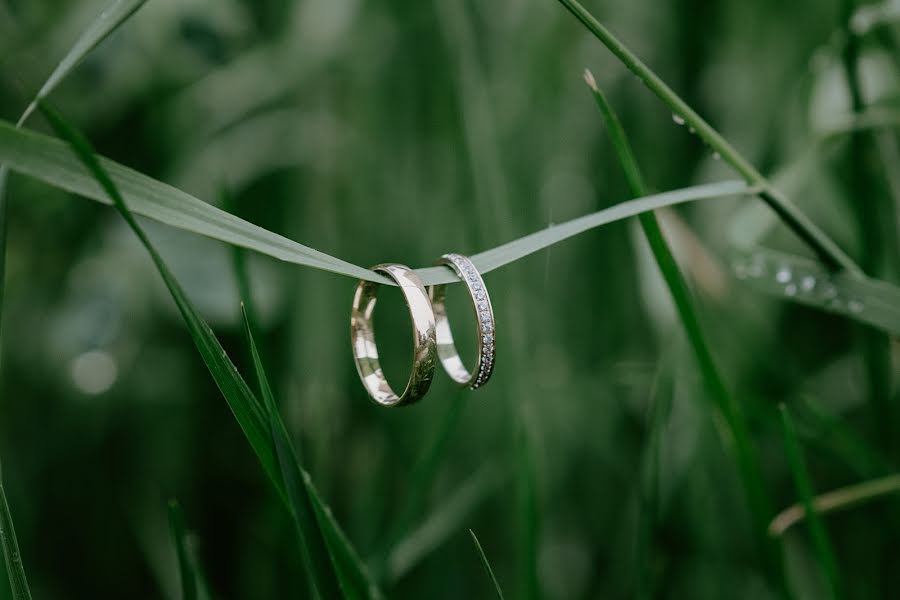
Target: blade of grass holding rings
[243,404]
[726,405]
[187,570]
[109,20]
[821,244]
[52,161]
[15,570]
[823,548]
[840,499]
[487,565]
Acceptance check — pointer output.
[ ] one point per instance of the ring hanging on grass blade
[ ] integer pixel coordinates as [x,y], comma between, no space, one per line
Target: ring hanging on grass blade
[484,312]
[362,337]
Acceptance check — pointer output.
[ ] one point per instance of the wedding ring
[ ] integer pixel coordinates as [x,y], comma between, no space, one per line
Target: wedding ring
[362,337]
[484,313]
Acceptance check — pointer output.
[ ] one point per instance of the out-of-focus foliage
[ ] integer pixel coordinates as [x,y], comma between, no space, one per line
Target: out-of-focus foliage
[590,466]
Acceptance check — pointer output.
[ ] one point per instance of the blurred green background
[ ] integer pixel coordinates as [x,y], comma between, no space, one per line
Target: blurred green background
[591,465]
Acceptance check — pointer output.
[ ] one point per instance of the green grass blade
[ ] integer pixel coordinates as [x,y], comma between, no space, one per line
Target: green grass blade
[52,162]
[240,398]
[836,500]
[352,573]
[186,568]
[15,570]
[805,229]
[316,557]
[807,282]
[726,406]
[823,548]
[527,509]
[109,20]
[487,565]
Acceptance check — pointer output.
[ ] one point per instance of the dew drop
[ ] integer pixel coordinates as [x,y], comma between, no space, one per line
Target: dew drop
[855,306]
[808,283]
[783,275]
[678,119]
[692,130]
[717,156]
[790,290]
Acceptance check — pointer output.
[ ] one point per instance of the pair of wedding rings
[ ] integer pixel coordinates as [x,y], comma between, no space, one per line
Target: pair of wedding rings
[431,332]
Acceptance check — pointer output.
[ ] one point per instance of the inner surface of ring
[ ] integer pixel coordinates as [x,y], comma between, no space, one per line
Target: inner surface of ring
[365,351]
[446,347]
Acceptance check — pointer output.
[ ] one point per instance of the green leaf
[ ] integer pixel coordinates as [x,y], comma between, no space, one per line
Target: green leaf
[186,567]
[804,489]
[52,162]
[15,570]
[487,564]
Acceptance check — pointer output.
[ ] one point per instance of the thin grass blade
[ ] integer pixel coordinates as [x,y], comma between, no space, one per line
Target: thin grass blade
[15,570]
[109,20]
[836,500]
[806,230]
[316,558]
[351,574]
[824,551]
[487,565]
[726,406]
[186,568]
[240,398]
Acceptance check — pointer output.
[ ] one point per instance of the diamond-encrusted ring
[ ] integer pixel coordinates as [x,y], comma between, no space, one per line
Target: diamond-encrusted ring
[446,349]
[362,337]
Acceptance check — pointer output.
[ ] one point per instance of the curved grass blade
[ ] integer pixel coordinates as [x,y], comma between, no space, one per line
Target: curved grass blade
[727,407]
[799,223]
[240,398]
[487,565]
[840,499]
[15,570]
[52,162]
[186,567]
[823,547]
